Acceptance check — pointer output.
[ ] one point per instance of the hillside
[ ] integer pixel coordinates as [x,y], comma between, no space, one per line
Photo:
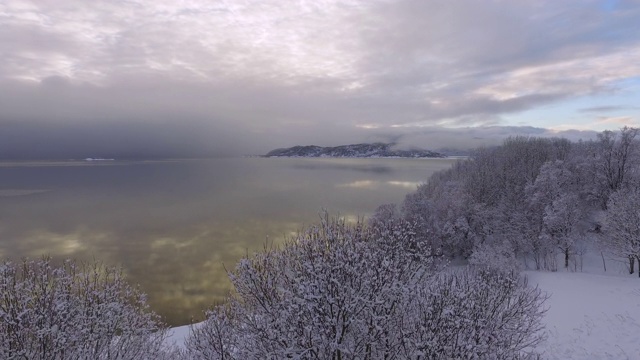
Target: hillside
[375,150]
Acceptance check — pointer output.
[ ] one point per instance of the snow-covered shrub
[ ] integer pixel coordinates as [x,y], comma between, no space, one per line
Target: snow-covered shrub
[74,312]
[334,291]
[216,338]
[471,314]
[495,257]
[340,291]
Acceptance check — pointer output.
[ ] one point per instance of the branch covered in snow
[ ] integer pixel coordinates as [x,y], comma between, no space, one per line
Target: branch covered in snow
[74,312]
[339,291]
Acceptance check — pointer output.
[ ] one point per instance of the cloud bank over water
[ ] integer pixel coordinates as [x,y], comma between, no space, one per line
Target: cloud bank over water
[204,78]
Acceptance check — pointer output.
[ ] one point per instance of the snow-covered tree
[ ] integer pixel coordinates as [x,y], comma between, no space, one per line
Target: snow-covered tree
[334,291]
[74,312]
[563,224]
[339,291]
[495,257]
[617,158]
[622,225]
[217,338]
[476,314]
[557,211]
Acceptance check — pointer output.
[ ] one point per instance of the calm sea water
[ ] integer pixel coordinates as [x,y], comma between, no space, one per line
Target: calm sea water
[174,226]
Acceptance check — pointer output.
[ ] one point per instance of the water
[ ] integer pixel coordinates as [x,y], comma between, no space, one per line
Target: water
[174,225]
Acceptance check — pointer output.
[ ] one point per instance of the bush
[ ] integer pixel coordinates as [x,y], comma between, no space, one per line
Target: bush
[477,313]
[74,312]
[334,291]
[339,291]
[495,257]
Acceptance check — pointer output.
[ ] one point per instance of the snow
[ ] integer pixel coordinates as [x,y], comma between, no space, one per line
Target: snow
[590,316]
[177,335]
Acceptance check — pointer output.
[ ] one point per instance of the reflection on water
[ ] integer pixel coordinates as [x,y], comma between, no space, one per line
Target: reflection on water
[372,184]
[174,226]
[346,164]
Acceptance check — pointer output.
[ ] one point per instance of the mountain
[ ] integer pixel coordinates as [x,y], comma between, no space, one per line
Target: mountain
[375,150]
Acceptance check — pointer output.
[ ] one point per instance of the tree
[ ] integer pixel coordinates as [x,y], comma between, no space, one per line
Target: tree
[333,292]
[557,208]
[618,155]
[476,313]
[563,223]
[339,291]
[622,225]
[74,312]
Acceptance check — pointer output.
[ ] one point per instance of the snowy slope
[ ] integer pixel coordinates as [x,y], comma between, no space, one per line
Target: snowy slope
[177,336]
[590,316]
[353,151]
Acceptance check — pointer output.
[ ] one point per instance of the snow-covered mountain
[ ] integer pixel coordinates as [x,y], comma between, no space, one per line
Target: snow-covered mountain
[352,151]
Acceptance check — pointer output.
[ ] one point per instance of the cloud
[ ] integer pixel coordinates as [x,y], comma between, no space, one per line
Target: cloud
[465,138]
[619,121]
[606,108]
[600,122]
[244,76]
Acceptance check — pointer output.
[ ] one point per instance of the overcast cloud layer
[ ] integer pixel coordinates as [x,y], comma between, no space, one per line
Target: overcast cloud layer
[168,78]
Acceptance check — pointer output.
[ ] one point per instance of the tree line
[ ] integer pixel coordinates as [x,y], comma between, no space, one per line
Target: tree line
[536,197]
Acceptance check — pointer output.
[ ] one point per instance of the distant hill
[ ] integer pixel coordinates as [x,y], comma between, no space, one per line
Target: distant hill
[375,150]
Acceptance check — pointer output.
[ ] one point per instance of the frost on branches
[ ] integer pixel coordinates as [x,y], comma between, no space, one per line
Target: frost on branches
[539,198]
[74,312]
[476,313]
[340,291]
[622,225]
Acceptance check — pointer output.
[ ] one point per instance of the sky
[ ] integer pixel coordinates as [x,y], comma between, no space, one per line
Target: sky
[169,78]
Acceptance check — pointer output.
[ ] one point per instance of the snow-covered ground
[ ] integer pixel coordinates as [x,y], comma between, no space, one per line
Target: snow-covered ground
[591,314]
[177,335]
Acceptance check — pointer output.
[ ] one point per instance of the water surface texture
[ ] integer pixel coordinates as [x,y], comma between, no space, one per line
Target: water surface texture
[174,225]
